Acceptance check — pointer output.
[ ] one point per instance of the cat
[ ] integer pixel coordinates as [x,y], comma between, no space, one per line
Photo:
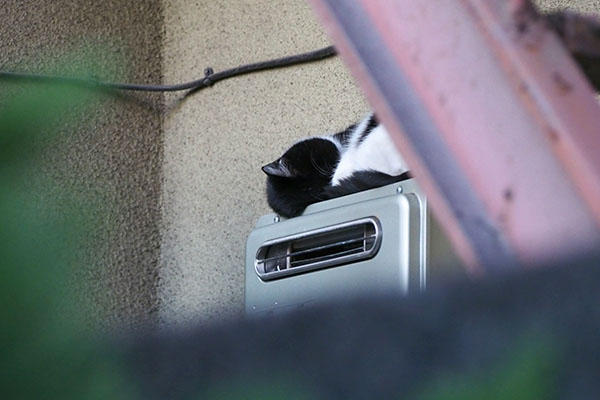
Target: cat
[321,168]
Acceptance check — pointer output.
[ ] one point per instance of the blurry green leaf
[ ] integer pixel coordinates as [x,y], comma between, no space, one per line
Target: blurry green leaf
[46,350]
[273,389]
[527,373]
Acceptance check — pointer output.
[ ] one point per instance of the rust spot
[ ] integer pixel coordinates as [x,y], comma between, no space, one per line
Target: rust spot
[553,135]
[527,26]
[563,85]
[522,27]
[523,87]
[504,215]
[503,218]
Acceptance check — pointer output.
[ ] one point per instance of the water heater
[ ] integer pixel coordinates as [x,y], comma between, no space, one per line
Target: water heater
[372,241]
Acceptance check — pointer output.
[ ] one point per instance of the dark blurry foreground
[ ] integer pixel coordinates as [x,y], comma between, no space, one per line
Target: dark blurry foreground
[532,335]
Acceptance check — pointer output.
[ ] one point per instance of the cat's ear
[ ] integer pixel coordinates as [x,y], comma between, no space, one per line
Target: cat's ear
[277,168]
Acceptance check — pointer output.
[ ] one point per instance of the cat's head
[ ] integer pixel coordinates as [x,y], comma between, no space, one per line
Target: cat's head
[298,178]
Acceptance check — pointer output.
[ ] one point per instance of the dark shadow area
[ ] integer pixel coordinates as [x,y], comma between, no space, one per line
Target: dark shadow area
[531,334]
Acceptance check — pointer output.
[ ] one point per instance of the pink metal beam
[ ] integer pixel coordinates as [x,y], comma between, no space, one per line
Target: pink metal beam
[498,124]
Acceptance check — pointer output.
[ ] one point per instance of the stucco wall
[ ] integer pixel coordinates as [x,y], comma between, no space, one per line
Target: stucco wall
[184,185]
[114,151]
[578,5]
[217,140]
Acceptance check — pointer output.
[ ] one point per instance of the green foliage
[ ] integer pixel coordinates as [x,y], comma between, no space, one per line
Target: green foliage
[275,388]
[47,352]
[528,373]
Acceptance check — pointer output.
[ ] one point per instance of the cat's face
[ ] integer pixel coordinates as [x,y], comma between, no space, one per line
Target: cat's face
[299,176]
[314,158]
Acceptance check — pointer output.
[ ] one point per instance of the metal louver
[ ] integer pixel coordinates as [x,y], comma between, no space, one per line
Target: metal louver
[330,246]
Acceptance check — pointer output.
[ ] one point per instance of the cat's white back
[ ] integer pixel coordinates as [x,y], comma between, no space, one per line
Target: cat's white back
[376,152]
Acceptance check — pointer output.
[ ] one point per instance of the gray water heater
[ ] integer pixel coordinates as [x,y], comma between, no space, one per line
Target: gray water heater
[372,241]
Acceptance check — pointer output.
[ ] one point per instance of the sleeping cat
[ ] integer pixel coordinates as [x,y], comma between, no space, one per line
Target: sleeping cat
[321,168]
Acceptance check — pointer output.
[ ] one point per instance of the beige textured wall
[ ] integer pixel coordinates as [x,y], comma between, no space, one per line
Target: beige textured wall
[115,151]
[217,140]
[190,183]
[578,5]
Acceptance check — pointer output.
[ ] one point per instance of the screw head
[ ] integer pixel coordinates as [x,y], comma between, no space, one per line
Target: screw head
[399,189]
[276,218]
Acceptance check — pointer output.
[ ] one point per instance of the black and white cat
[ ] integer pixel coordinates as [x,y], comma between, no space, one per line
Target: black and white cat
[321,168]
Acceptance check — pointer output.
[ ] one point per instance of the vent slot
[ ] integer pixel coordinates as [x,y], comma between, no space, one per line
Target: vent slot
[320,248]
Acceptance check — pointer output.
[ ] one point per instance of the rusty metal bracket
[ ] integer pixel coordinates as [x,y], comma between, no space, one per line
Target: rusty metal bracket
[497,122]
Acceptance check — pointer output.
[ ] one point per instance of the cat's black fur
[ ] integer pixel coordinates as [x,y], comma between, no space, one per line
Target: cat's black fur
[299,177]
[303,174]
